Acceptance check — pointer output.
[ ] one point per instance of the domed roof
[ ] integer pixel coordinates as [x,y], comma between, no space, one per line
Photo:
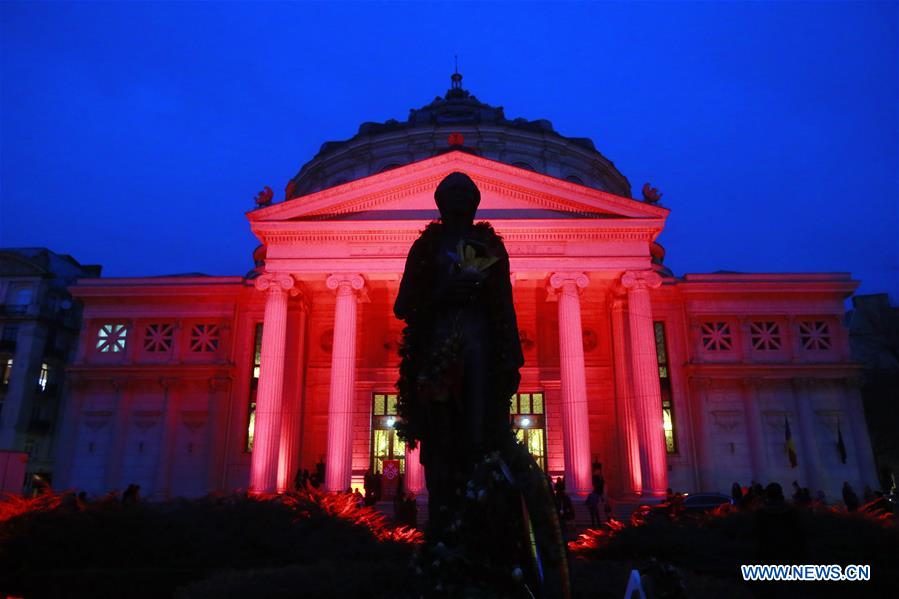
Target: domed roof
[485,130]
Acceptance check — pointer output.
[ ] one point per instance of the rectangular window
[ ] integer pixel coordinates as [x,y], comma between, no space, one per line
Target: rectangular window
[254,384]
[716,336]
[204,338]
[158,337]
[815,335]
[385,441]
[528,422]
[7,370]
[111,338]
[665,387]
[43,376]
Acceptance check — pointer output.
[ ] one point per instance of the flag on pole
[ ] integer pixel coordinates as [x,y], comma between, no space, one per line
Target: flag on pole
[841,447]
[791,447]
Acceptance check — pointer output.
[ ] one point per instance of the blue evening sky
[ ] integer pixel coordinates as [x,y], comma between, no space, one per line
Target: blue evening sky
[135,135]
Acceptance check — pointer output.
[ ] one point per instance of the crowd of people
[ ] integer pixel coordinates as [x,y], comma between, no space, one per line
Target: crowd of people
[755,495]
[304,479]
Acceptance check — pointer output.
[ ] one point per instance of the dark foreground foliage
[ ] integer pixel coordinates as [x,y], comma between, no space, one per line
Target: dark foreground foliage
[700,557]
[317,545]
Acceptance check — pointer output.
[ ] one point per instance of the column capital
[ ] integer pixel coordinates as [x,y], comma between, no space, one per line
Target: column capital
[276,281]
[641,279]
[560,279]
[353,281]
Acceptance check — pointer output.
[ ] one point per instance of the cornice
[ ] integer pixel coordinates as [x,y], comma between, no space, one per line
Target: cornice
[150,371]
[739,370]
[535,231]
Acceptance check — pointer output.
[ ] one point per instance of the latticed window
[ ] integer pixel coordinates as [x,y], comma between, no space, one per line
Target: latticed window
[815,335]
[665,388]
[528,420]
[158,337]
[384,404]
[204,337]
[716,336]
[765,336]
[111,338]
[254,384]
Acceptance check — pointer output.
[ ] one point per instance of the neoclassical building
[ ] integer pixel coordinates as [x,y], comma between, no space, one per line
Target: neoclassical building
[190,384]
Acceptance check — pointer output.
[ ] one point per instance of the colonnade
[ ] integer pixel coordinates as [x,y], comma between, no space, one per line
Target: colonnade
[275,441]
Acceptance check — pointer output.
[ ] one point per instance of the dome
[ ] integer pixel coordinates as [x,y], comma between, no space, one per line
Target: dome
[485,131]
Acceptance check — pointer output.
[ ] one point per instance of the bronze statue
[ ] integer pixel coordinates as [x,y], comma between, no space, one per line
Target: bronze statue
[461,352]
[492,522]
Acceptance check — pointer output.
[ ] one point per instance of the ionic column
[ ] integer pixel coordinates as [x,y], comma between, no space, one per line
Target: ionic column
[289,449]
[339,459]
[627,418]
[647,395]
[754,432]
[809,458]
[267,433]
[851,403]
[575,419]
[414,479]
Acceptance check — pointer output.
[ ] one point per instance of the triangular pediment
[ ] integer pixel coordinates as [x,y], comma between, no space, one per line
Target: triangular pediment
[407,193]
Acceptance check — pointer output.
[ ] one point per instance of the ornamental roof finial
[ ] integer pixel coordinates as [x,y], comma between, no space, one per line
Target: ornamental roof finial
[456,77]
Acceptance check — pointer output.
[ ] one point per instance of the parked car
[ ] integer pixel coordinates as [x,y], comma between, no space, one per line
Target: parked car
[685,504]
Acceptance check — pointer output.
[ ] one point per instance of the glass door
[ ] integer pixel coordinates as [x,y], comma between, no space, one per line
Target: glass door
[526,411]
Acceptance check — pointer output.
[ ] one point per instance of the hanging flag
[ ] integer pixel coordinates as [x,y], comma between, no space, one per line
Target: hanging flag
[841,447]
[791,448]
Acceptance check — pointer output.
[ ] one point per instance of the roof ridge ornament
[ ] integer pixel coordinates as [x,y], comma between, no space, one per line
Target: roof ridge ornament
[455,90]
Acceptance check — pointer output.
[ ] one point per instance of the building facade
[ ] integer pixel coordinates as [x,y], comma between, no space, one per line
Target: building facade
[874,337]
[39,331]
[191,384]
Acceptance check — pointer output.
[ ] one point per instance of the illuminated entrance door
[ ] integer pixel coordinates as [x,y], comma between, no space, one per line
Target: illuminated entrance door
[385,442]
[528,422]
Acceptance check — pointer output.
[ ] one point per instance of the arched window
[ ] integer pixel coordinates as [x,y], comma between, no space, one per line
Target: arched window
[574,179]
[390,166]
[524,165]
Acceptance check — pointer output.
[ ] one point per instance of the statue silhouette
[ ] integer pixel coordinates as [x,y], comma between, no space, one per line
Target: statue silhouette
[461,352]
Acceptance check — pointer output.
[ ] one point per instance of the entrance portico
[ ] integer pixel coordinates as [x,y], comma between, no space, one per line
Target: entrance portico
[348,245]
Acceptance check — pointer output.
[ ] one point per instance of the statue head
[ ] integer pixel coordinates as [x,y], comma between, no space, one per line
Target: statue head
[457,199]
